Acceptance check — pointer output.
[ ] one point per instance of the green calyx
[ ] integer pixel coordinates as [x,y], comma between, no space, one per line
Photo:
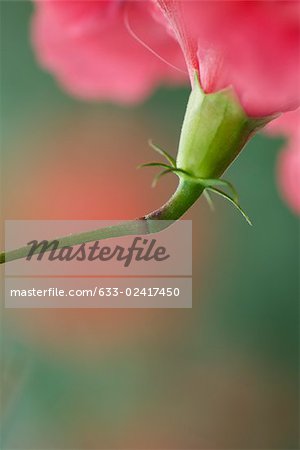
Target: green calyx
[206,185]
[214,131]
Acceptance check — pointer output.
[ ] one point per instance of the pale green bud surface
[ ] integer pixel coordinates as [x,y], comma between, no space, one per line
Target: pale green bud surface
[214,131]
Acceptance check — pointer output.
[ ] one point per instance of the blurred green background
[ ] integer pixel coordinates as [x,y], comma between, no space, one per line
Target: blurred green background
[223,375]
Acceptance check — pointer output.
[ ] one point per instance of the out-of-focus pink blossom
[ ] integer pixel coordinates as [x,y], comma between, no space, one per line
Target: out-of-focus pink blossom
[289,175]
[252,45]
[288,167]
[86,44]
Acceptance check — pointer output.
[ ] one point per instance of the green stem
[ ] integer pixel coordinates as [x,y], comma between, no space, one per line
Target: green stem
[214,131]
[185,195]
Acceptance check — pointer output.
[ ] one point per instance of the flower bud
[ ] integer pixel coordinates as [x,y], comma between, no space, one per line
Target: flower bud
[214,131]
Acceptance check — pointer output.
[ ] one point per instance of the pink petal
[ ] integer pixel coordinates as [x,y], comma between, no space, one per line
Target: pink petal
[88,48]
[289,175]
[252,45]
[288,166]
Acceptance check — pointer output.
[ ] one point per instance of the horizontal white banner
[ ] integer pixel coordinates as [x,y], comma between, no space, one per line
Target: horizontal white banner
[98,292]
[87,248]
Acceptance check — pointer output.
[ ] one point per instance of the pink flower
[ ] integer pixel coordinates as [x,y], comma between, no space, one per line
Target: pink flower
[289,175]
[88,47]
[288,167]
[252,45]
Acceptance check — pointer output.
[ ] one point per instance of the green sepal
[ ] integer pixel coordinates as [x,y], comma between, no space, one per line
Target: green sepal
[159,175]
[231,200]
[209,200]
[212,182]
[153,164]
[208,184]
[163,153]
